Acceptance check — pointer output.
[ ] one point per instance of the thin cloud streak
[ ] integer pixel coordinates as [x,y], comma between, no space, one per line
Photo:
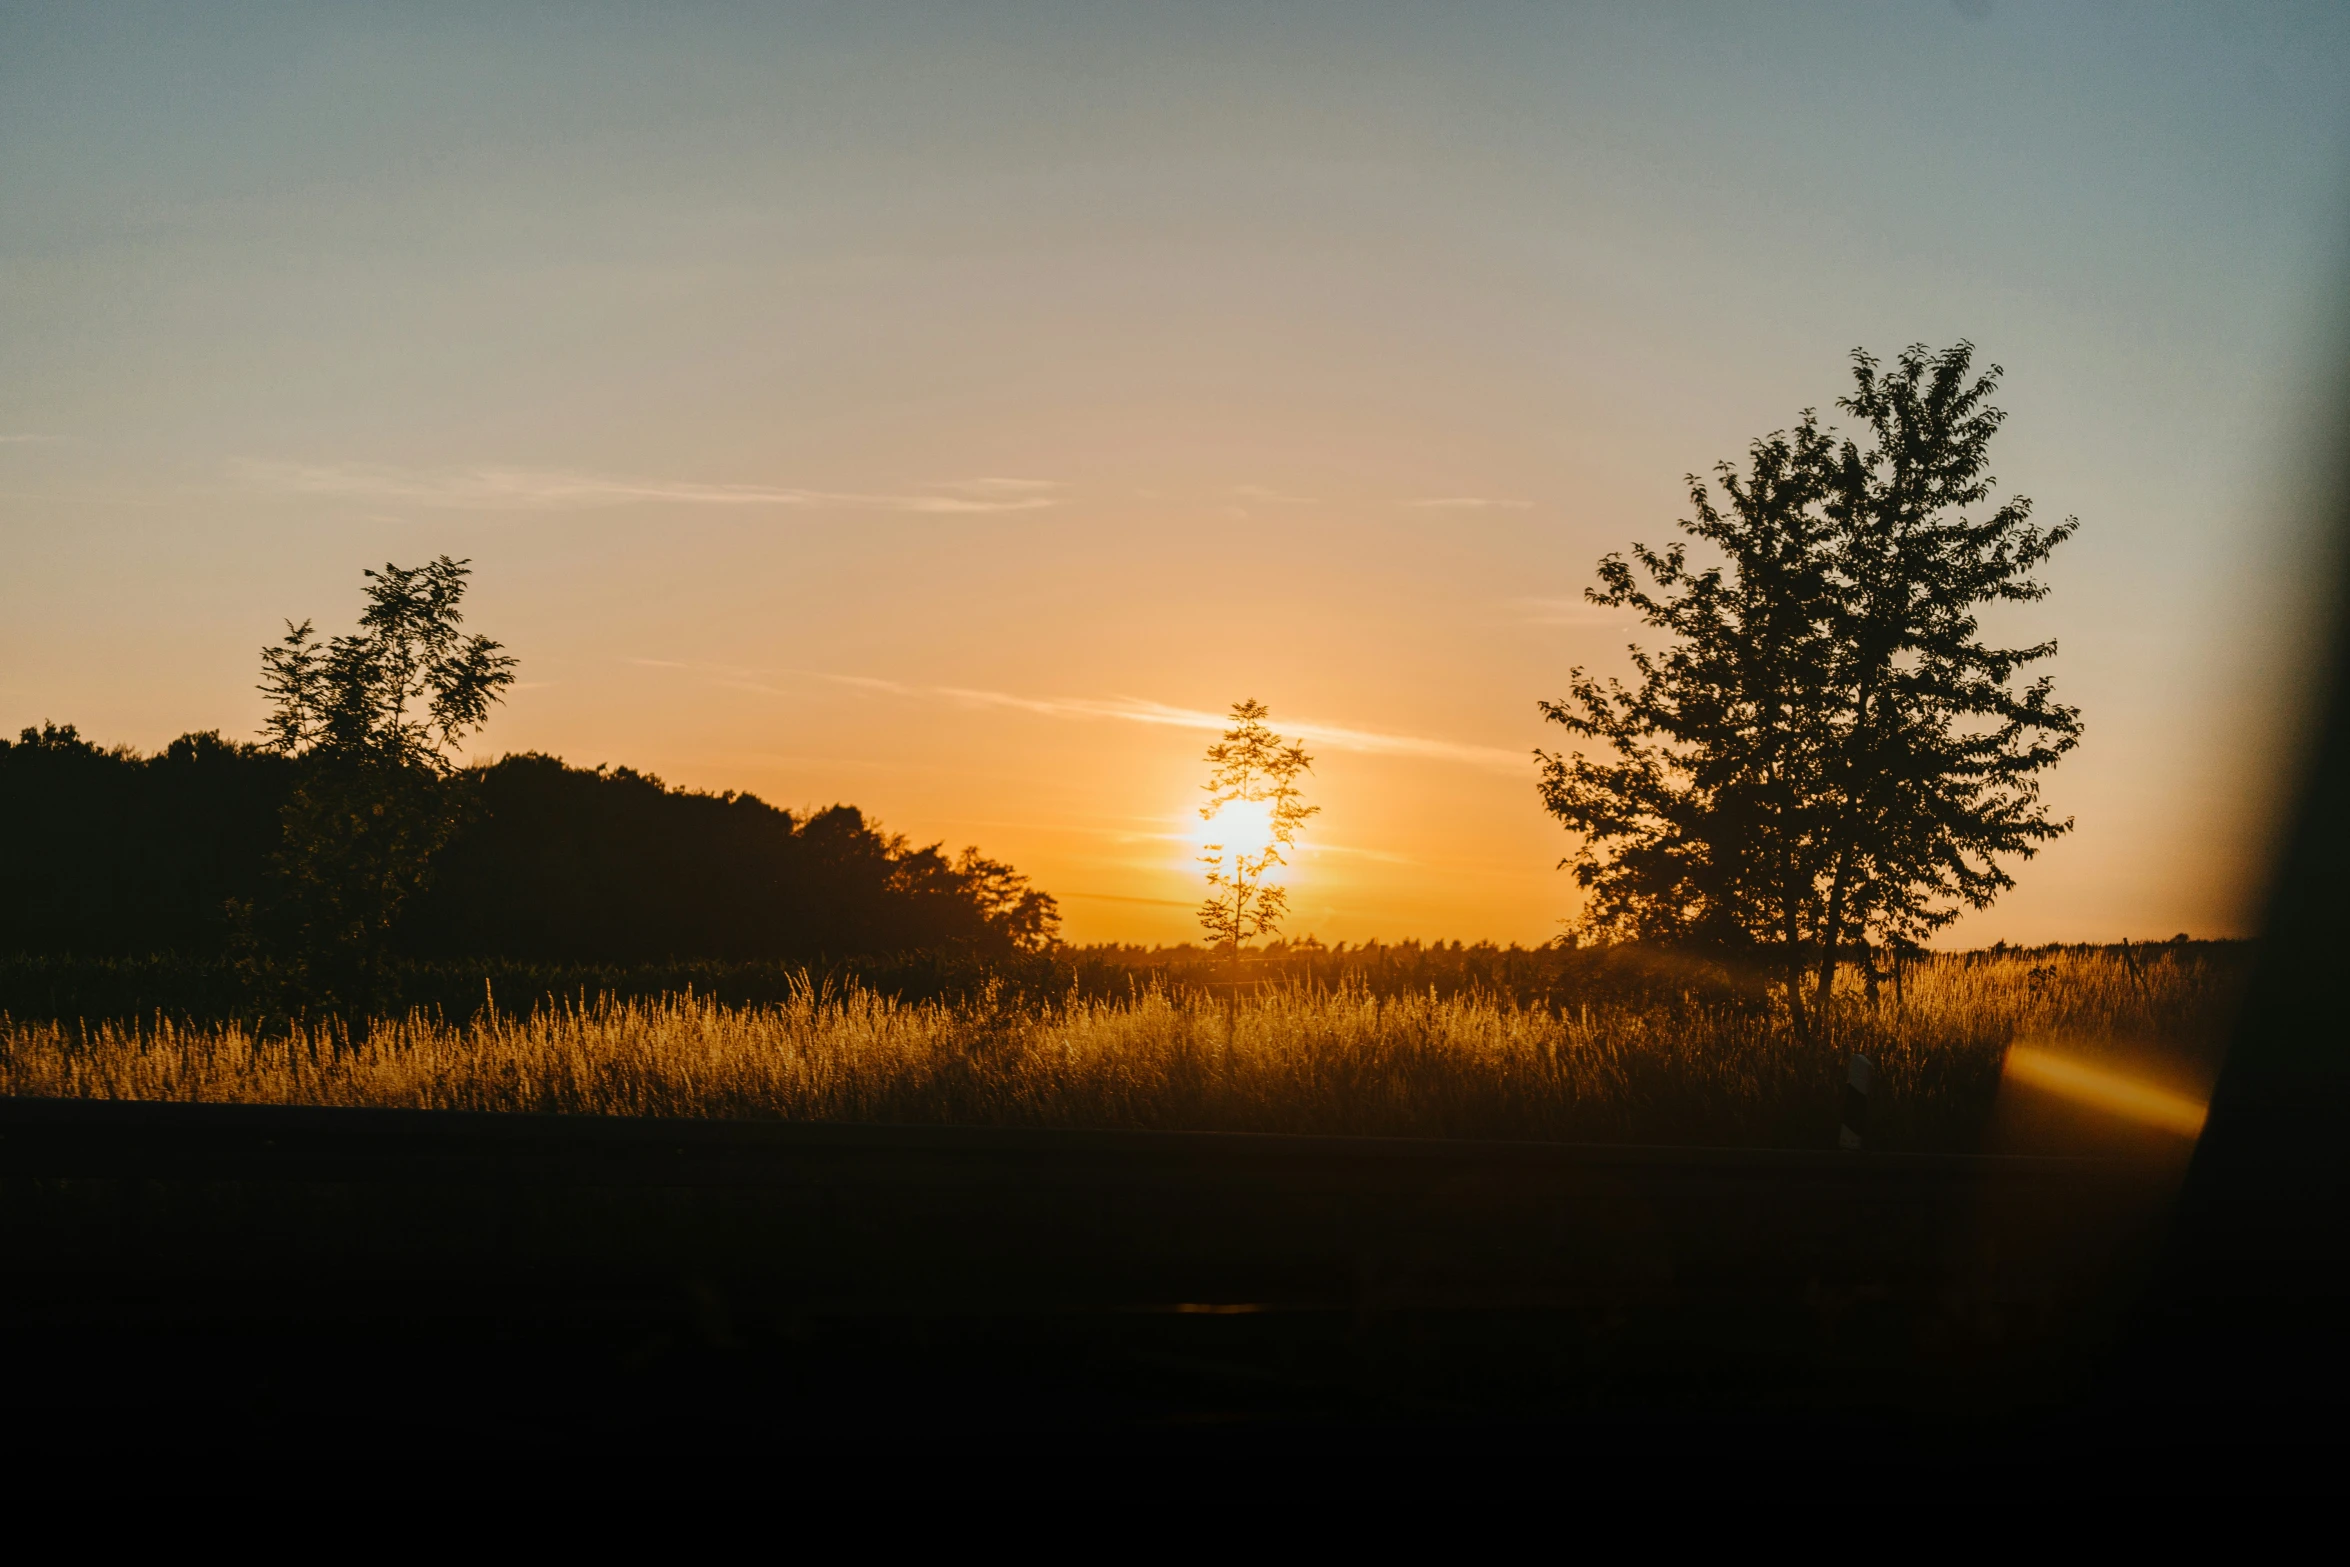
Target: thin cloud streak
[1383,856]
[533,489]
[1129,710]
[1469,503]
[1132,710]
[1119,897]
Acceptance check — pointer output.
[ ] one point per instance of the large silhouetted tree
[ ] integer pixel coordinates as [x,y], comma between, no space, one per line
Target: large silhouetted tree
[1828,754]
[373,719]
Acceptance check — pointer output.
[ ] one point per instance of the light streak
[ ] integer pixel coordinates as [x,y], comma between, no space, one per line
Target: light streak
[2115,1093]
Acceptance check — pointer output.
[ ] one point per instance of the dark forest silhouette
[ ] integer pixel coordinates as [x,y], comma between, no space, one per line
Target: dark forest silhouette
[323,867]
[117,853]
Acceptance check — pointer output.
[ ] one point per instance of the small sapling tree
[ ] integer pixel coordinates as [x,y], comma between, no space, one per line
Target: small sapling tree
[374,719]
[1254,810]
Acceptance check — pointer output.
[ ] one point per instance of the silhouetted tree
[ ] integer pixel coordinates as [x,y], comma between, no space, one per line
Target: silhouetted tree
[1250,767]
[373,719]
[1828,753]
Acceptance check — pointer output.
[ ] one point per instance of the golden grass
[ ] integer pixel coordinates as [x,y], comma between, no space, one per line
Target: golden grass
[1283,1060]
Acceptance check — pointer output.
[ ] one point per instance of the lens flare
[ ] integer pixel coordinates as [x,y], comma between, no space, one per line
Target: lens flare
[2116,1094]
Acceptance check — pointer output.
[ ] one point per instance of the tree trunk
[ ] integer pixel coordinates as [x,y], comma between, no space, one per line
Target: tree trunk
[1795,1013]
[1831,929]
[1239,917]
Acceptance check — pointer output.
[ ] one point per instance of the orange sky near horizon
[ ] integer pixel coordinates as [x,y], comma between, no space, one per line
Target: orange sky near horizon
[952,412]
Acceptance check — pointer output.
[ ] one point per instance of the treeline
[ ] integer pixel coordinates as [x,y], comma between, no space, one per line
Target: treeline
[112,854]
[1554,972]
[1555,976]
[1558,973]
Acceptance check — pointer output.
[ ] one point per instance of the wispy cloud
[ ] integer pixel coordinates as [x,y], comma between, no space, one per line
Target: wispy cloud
[540,489]
[1383,856]
[1469,503]
[1120,897]
[1135,710]
[1124,710]
[25,438]
[1241,497]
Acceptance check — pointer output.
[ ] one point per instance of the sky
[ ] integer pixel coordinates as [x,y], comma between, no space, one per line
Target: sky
[951,410]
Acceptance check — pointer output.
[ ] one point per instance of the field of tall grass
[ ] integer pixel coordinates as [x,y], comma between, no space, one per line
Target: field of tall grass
[1289,1058]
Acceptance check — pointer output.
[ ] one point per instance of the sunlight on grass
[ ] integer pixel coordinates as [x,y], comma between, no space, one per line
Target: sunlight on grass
[1288,1059]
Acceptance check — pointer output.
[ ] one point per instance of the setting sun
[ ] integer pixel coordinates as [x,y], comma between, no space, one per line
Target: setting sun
[1243,827]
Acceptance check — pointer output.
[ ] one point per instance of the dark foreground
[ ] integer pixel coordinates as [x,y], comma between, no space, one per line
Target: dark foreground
[358,1288]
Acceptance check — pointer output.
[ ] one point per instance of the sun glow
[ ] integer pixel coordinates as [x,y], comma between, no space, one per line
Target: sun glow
[1243,827]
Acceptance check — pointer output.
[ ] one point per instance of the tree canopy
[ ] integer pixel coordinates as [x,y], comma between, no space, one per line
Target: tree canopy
[405,689]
